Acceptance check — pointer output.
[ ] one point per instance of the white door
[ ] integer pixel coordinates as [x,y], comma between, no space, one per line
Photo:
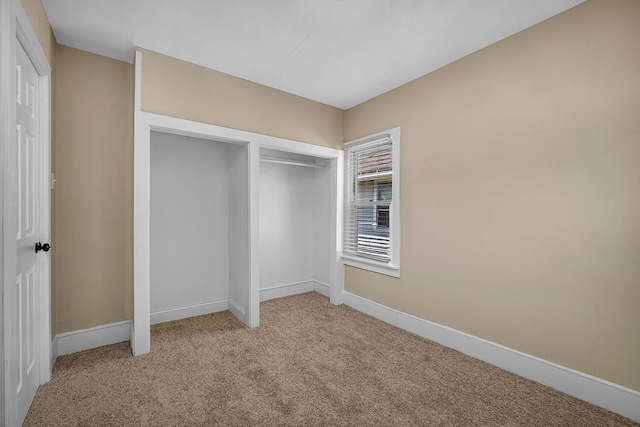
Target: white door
[25,337]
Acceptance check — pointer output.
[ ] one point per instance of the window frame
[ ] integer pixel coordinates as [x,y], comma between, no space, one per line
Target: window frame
[391,268]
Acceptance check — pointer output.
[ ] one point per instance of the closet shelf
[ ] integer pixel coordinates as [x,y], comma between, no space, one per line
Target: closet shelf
[321,164]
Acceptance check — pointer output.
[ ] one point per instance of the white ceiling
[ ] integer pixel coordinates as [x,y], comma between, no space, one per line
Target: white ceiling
[338,52]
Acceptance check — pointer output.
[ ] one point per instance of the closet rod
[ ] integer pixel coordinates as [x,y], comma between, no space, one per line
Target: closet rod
[293,162]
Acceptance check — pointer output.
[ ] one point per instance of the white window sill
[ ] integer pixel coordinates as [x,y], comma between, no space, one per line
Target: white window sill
[371,265]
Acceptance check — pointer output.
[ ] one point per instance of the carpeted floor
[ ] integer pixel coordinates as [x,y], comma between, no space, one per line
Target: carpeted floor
[308,364]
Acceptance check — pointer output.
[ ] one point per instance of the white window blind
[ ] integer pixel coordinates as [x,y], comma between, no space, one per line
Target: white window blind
[368,191]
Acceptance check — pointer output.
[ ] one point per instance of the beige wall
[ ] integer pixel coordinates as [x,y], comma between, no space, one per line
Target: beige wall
[521,192]
[181,89]
[40,23]
[94,190]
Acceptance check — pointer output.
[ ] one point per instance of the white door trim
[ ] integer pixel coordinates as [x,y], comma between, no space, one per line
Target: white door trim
[17,28]
[336,285]
[146,122]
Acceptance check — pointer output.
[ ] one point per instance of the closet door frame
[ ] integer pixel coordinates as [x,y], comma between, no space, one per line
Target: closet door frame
[335,159]
[145,123]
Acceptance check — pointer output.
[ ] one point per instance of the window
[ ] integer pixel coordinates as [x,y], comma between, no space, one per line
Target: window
[372,190]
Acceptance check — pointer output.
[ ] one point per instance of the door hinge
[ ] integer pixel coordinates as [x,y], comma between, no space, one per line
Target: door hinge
[53,181]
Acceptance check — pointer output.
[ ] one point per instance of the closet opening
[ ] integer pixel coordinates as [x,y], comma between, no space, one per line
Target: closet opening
[295,204]
[199,257]
[216,228]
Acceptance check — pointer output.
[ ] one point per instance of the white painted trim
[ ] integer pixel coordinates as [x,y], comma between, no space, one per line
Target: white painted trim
[286,289]
[185,312]
[27,36]
[252,318]
[137,96]
[7,227]
[322,288]
[141,338]
[144,123]
[336,276]
[141,326]
[188,311]
[337,290]
[85,339]
[371,265]
[237,311]
[608,395]
[185,127]
[296,147]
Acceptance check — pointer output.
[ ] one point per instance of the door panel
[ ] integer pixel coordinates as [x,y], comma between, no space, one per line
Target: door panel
[28,270]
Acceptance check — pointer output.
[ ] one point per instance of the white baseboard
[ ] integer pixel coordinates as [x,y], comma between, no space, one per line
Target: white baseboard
[322,288]
[85,339]
[237,310]
[188,311]
[605,394]
[287,289]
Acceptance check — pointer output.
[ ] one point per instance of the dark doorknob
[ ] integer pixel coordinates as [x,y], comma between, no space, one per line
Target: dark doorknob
[41,247]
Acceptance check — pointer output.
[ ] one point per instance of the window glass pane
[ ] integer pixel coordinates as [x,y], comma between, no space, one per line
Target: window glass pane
[375,161]
[365,191]
[384,191]
[383,218]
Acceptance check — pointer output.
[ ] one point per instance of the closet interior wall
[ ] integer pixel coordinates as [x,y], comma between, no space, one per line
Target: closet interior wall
[294,224]
[199,242]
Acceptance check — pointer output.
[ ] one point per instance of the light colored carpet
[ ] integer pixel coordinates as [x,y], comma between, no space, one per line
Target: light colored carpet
[308,364]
